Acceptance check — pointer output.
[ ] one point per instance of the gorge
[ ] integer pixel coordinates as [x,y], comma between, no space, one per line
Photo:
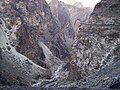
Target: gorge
[59,46]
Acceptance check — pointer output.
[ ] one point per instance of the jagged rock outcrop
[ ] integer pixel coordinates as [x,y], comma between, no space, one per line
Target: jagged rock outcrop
[108,77]
[27,31]
[61,13]
[107,8]
[78,14]
[32,21]
[97,47]
[53,62]
[81,14]
[68,17]
[16,69]
[26,26]
[96,54]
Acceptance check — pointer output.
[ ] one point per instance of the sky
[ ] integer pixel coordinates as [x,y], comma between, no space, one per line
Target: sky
[86,3]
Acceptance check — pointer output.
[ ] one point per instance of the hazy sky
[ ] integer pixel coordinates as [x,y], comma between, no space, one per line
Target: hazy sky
[86,3]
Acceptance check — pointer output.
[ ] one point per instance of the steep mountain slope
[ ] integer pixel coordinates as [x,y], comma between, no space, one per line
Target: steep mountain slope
[16,69]
[97,48]
[98,38]
[95,60]
[69,17]
[32,21]
[61,13]
[78,15]
[23,26]
[107,8]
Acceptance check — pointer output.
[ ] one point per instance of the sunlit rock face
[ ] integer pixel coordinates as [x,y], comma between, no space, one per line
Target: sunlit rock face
[99,39]
[32,21]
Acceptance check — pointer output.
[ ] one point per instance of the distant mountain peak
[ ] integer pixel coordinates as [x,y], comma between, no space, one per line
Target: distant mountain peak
[54,1]
[78,4]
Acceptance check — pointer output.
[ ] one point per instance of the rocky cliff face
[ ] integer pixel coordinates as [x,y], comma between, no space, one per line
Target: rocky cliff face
[107,8]
[32,21]
[99,38]
[78,14]
[97,49]
[98,41]
[69,17]
[61,13]
[23,24]
[95,62]
[15,68]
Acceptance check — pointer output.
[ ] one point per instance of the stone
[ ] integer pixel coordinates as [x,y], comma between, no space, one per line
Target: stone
[15,68]
[31,21]
[68,18]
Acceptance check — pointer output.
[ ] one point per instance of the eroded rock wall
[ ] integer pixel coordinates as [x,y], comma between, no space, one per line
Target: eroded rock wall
[98,39]
[32,21]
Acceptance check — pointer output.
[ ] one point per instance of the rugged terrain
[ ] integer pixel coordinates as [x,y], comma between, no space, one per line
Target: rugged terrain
[33,52]
[98,46]
[33,21]
[69,17]
[25,27]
